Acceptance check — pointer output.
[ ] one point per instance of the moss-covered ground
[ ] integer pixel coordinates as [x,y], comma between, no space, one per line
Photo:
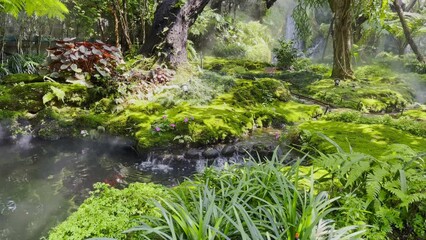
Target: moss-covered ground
[227,100]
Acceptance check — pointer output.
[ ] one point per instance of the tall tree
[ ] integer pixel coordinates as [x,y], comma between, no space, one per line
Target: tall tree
[342,38]
[399,10]
[343,19]
[172,21]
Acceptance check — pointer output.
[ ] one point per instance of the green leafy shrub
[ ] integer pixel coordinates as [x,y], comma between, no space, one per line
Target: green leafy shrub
[416,67]
[78,62]
[109,211]
[286,54]
[247,40]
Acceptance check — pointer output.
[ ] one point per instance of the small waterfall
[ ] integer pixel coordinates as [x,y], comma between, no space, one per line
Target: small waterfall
[291,33]
[153,163]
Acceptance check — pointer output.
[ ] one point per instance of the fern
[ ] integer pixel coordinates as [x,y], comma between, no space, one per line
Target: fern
[391,189]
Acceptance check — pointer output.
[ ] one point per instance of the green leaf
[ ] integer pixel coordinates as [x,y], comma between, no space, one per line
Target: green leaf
[48,97]
[58,93]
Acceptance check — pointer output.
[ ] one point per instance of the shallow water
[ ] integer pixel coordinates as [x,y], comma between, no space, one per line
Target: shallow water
[41,182]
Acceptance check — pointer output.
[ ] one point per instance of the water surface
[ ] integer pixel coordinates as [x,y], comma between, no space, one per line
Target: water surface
[41,182]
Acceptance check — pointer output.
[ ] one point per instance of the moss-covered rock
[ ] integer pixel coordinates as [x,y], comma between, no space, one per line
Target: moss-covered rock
[364,95]
[260,91]
[29,97]
[21,78]
[234,66]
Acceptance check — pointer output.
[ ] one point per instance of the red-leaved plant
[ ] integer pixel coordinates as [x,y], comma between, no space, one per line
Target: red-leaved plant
[78,62]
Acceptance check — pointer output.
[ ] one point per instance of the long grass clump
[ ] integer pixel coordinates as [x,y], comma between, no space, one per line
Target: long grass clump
[257,200]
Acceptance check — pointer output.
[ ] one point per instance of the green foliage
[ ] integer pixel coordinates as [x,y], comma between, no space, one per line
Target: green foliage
[56,92]
[389,190]
[249,41]
[51,8]
[207,19]
[230,50]
[259,200]
[286,54]
[27,64]
[109,211]
[78,62]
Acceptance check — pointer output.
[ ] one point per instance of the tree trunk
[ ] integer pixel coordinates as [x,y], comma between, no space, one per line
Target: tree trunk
[169,33]
[120,15]
[407,32]
[116,27]
[342,39]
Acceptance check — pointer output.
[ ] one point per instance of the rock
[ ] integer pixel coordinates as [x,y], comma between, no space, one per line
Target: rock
[228,150]
[193,153]
[211,153]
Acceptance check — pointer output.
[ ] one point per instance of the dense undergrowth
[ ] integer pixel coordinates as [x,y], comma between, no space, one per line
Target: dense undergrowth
[342,196]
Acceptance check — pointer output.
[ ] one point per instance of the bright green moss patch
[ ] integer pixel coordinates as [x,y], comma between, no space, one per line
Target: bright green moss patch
[289,112]
[372,139]
[402,122]
[260,91]
[417,114]
[366,96]
[110,211]
[21,78]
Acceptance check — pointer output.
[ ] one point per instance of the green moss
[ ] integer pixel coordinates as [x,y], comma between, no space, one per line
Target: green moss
[21,78]
[365,95]
[373,139]
[29,96]
[417,114]
[278,113]
[110,211]
[234,66]
[260,91]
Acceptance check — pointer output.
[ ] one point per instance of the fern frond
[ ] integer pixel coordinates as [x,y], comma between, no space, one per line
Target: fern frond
[357,172]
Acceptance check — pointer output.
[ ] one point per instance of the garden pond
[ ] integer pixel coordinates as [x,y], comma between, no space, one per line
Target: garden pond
[41,182]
